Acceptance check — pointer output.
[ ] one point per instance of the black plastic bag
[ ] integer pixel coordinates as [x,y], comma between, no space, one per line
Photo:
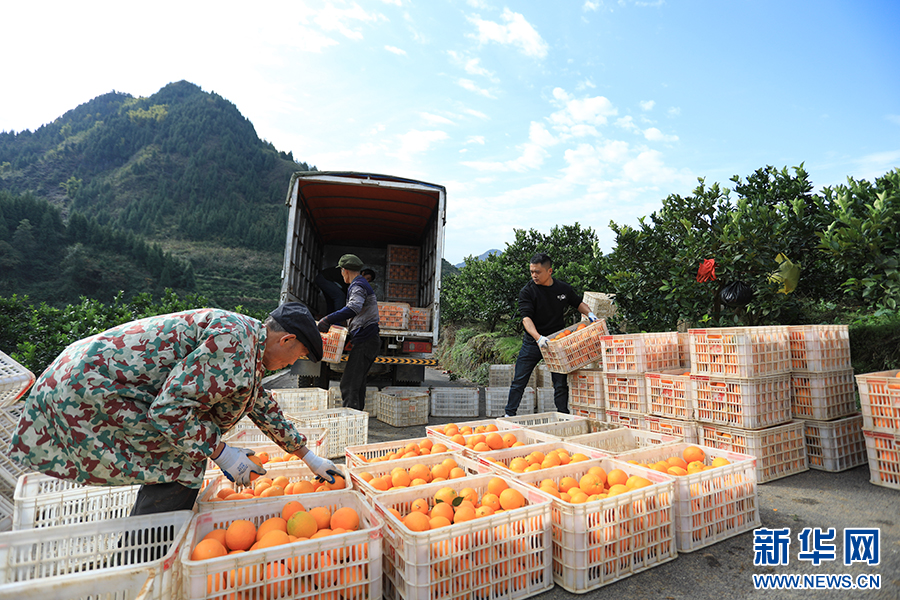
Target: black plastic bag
[736,294]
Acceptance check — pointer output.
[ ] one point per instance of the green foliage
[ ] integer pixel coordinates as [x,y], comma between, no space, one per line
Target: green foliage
[875,343]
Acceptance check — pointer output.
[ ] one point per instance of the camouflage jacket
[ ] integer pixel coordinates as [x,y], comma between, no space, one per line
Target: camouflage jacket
[148,401]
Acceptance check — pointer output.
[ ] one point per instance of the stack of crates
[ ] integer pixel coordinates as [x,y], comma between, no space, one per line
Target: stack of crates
[15,380]
[741,381]
[823,396]
[393,315]
[543,391]
[402,274]
[879,396]
[586,395]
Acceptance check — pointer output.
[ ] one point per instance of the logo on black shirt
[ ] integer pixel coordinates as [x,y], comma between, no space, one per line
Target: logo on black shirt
[561,297]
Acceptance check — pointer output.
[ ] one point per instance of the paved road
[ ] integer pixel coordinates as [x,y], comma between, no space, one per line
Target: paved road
[813,499]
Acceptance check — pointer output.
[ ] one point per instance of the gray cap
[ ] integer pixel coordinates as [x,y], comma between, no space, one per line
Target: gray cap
[351,262]
[295,318]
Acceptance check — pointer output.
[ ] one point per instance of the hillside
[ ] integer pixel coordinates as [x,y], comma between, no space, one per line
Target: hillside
[181,168]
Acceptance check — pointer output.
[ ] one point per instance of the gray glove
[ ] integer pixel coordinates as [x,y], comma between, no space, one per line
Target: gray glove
[322,467]
[592,317]
[323,325]
[236,464]
[542,342]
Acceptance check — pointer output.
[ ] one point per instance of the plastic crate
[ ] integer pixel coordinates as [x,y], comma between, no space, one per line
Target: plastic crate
[883,452]
[334,395]
[640,352]
[393,315]
[402,290]
[502,376]
[498,461]
[835,445]
[543,379]
[15,380]
[601,542]
[625,392]
[419,319]
[358,456]
[710,506]
[454,402]
[253,437]
[670,394]
[436,432]
[684,349]
[402,254]
[109,554]
[346,427]
[403,410]
[495,399]
[879,399]
[505,555]
[621,442]
[10,470]
[321,559]
[469,466]
[823,396]
[819,347]
[780,451]
[544,400]
[402,272]
[602,305]
[45,501]
[333,344]
[565,430]
[625,419]
[540,419]
[675,427]
[746,403]
[295,472]
[740,351]
[371,407]
[526,436]
[301,400]
[131,585]
[587,412]
[577,349]
[586,388]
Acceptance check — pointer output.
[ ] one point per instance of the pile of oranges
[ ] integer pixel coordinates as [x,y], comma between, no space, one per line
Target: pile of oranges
[692,460]
[449,507]
[595,484]
[267,487]
[484,438]
[423,447]
[537,460]
[418,474]
[567,332]
[295,524]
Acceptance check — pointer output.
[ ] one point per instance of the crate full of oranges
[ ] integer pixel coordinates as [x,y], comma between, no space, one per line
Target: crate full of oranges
[574,347]
[288,481]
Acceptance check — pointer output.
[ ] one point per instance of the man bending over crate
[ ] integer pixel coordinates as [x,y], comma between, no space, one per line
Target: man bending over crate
[361,314]
[542,304]
[149,402]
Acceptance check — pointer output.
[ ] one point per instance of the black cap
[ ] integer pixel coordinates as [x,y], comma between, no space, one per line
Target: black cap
[295,318]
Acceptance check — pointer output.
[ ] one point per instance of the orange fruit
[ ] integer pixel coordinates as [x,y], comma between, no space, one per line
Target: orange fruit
[636,482]
[290,508]
[440,521]
[438,448]
[661,466]
[273,524]
[491,500]
[255,459]
[322,516]
[208,548]
[216,534]
[416,521]
[400,478]
[440,471]
[720,461]
[618,488]
[677,471]
[464,513]
[495,441]
[275,537]
[511,499]
[676,461]
[457,473]
[695,467]
[458,439]
[567,483]
[240,535]
[616,477]
[421,505]
[481,447]
[382,484]
[281,481]
[518,465]
[302,525]
[451,429]
[442,509]
[693,454]
[445,494]
[509,439]
[225,492]
[420,471]
[496,486]
[590,484]
[272,491]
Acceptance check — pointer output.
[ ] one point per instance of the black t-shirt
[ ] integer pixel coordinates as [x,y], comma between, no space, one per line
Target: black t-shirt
[545,304]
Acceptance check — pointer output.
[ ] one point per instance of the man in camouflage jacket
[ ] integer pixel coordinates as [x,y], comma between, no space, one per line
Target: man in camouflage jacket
[148,402]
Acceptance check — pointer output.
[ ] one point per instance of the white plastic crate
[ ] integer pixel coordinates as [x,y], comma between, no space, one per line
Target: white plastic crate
[565,430]
[602,305]
[436,432]
[601,542]
[15,380]
[621,442]
[526,436]
[675,427]
[454,402]
[324,562]
[819,347]
[883,452]
[403,410]
[641,352]
[823,396]
[371,408]
[252,436]
[393,315]
[835,445]
[577,349]
[746,403]
[295,472]
[502,376]
[333,344]
[498,461]
[301,400]
[586,388]
[879,399]
[540,419]
[45,501]
[10,470]
[109,554]
[419,318]
[684,349]
[710,506]
[132,585]
[544,378]
[495,399]
[544,400]
[357,456]
[587,412]
[780,451]
[469,466]
[670,394]
[505,555]
[346,427]
[625,392]
[625,419]
[740,351]
[334,395]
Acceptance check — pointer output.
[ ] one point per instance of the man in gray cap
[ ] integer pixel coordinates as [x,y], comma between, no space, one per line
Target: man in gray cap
[149,402]
[361,314]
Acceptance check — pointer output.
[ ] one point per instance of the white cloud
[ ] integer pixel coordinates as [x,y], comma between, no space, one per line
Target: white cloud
[589,111]
[468,84]
[655,135]
[308,39]
[872,166]
[435,119]
[586,163]
[395,50]
[674,111]
[588,5]
[393,2]
[532,157]
[477,3]
[517,32]
[417,141]
[473,68]
[476,113]
[343,20]
[626,122]
[648,167]
[586,84]
[538,134]
[648,104]
[475,139]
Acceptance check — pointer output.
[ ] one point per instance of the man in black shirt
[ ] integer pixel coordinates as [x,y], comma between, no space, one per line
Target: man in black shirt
[542,303]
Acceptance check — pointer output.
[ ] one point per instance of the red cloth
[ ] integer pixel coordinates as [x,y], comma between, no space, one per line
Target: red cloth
[707,271]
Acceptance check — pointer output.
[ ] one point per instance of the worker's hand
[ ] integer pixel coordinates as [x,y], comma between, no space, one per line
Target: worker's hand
[236,464]
[324,325]
[322,467]
[543,341]
[592,317]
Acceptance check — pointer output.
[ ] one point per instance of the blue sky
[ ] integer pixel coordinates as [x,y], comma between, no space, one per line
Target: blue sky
[532,114]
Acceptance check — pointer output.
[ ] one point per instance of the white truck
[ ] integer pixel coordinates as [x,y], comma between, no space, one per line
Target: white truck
[396,226]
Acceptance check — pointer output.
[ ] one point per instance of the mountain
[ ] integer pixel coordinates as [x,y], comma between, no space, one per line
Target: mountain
[182,169]
[482,256]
